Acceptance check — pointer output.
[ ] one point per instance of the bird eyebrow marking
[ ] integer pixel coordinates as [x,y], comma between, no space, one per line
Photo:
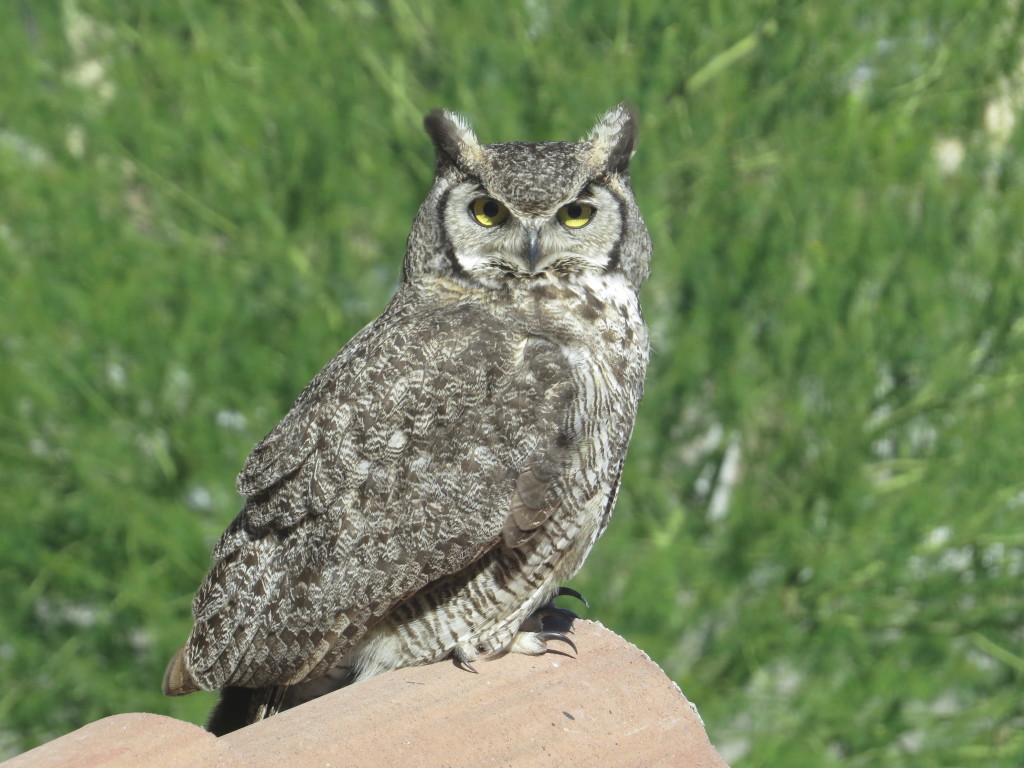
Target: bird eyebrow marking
[586,191]
[472,178]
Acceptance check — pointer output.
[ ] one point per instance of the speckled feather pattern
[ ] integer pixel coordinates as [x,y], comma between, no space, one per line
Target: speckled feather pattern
[455,462]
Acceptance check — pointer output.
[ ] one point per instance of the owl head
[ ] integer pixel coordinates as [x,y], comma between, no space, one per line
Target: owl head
[504,213]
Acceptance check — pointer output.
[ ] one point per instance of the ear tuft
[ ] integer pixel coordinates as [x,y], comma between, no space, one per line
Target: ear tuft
[614,138]
[454,140]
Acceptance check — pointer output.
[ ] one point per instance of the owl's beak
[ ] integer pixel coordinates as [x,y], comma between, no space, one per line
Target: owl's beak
[532,247]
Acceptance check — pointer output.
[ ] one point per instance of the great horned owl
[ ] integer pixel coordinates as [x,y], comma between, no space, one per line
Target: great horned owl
[439,479]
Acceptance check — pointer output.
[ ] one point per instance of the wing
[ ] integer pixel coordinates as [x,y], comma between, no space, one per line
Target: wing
[435,435]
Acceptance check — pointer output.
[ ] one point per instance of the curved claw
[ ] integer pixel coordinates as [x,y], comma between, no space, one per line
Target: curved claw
[463,658]
[554,610]
[545,636]
[570,592]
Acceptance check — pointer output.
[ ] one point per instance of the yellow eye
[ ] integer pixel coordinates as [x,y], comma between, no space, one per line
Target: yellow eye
[576,215]
[488,212]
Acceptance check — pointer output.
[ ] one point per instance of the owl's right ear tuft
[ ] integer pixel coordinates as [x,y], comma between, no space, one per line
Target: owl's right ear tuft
[454,140]
[614,138]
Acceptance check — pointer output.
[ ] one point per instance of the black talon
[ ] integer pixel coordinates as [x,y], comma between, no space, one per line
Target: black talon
[551,618]
[461,661]
[554,610]
[545,636]
[570,592]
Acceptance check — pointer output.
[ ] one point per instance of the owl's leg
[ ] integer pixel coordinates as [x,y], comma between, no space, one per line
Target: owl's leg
[548,622]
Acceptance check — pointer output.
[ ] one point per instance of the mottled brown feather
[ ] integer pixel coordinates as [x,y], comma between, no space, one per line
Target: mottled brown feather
[383,470]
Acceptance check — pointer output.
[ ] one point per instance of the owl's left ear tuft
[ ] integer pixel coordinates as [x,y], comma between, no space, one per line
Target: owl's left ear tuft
[454,140]
[614,139]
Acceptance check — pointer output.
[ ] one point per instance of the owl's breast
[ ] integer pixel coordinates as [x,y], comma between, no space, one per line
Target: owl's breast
[597,320]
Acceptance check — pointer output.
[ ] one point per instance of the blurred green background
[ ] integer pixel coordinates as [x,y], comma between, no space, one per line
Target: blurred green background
[821,530]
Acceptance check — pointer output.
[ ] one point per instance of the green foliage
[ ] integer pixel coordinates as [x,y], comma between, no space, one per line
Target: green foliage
[819,534]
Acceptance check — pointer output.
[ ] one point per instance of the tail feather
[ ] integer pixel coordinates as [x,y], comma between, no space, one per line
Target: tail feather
[177,679]
[239,707]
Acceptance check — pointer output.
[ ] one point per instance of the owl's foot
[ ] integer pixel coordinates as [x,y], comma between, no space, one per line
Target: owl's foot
[536,643]
[552,618]
[549,622]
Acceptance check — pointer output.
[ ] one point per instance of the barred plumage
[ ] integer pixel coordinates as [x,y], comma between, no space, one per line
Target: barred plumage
[437,481]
